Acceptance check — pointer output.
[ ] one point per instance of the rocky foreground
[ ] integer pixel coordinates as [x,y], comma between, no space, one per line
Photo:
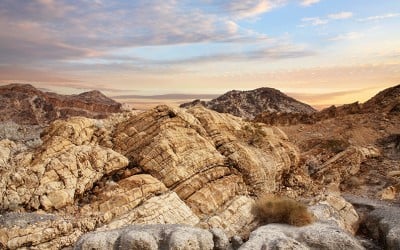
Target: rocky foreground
[172,178]
[195,167]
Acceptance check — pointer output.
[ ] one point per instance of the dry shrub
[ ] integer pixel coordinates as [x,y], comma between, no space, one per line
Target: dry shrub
[273,209]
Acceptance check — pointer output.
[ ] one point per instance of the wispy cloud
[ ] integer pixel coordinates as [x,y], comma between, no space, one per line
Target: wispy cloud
[315,21]
[341,15]
[250,8]
[309,2]
[379,17]
[346,36]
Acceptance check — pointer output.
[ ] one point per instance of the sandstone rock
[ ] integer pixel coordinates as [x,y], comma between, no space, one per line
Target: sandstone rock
[149,237]
[314,236]
[388,193]
[204,156]
[334,210]
[345,164]
[53,175]
[236,218]
[36,231]
[201,168]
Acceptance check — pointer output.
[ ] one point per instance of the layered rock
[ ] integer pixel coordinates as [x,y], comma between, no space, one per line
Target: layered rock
[248,104]
[195,167]
[36,231]
[24,104]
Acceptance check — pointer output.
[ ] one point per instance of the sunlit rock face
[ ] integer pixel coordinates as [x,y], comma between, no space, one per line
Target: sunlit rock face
[165,165]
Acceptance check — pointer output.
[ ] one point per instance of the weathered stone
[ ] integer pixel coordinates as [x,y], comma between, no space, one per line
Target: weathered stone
[383,225]
[334,210]
[36,231]
[345,164]
[201,168]
[149,237]
[314,236]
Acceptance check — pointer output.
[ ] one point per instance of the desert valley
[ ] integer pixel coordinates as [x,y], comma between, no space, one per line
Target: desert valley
[247,170]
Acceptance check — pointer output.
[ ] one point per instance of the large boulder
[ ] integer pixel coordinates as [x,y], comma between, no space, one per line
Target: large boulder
[314,236]
[153,237]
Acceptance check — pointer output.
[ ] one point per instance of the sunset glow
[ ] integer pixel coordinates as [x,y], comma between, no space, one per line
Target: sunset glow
[319,51]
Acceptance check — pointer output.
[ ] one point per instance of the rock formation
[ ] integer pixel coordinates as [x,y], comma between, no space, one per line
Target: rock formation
[188,178]
[165,165]
[24,104]
[249,104]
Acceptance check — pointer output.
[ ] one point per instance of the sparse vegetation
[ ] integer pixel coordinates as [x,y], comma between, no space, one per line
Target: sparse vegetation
[274,209]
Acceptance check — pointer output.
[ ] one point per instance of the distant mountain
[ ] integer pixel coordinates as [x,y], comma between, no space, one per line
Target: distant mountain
[25,104]
[249,104]
[385,102]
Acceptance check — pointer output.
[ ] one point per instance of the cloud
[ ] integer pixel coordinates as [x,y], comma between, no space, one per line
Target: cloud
[341,15]
[380,17]
[44,30]
[250,8]
[309,2]
[314,21]
[276,51]
[346,36]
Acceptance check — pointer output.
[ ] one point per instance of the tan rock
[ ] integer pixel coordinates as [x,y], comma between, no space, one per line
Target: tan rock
[334,209]
[36,231]
[200,169]
[389,193]
[345,164]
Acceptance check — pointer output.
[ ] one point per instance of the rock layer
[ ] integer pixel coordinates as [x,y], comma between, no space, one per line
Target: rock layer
[166,165]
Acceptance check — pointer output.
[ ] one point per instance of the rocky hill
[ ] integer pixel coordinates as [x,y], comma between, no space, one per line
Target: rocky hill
[248,104]
[26,105]
[387,102]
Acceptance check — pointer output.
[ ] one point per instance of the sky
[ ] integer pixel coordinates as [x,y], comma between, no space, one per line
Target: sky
[320,51]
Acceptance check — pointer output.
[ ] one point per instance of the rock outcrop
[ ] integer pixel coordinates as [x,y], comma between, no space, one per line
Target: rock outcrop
[195,167]
[249,104]
[334,230]
[24,104]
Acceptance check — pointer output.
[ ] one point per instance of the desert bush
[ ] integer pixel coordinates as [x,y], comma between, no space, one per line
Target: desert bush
[274,209]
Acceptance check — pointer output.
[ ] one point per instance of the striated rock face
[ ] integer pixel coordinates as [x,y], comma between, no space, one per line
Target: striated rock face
[195,167]
[24,104]
[36,231]
[248,104]
[344,164]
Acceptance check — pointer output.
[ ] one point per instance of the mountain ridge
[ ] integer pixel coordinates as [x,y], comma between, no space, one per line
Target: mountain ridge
[248,104]
[25,104]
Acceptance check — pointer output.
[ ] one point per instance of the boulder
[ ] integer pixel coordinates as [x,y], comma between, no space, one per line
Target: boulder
[152,237]
[314,236]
